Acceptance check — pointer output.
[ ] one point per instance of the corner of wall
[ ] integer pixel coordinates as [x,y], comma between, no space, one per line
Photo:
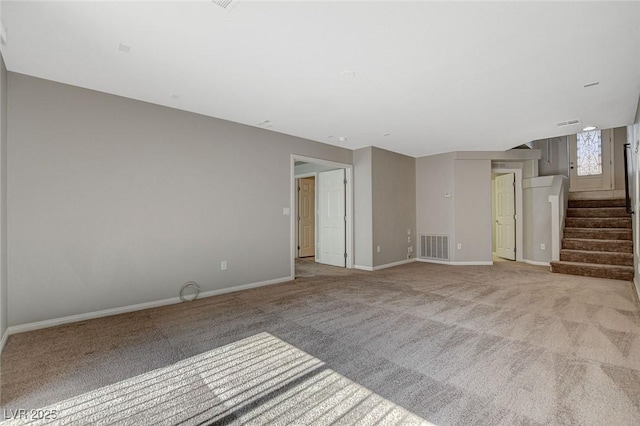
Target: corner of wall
[4,303]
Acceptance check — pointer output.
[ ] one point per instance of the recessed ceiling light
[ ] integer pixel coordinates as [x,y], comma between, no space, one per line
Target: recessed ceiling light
[594,83]
[124,48]
[589,128]
[348,74]
[342,139]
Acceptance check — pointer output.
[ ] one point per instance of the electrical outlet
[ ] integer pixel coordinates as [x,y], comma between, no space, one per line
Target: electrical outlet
[409,239]
[459,246]
[408,231]
[378,249]
[543,247]
[223,265]
[410,249]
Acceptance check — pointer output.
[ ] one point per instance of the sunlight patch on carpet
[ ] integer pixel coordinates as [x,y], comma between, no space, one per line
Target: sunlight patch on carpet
[256,380]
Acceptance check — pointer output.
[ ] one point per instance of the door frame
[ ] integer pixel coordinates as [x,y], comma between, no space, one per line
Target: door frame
[297,206]
[348,206]
[572,140]
[519,209]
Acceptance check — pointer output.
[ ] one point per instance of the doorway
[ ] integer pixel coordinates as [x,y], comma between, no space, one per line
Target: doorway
[322,223]
[332,221]
[306,216]
[590,161]
[506,213]
[504,235]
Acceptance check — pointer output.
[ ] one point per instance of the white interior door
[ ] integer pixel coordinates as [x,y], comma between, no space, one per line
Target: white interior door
[505,216]
[331,218]
[306,217]
[590,165]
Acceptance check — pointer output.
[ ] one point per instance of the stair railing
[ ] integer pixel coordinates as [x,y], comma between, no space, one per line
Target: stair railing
[627,193]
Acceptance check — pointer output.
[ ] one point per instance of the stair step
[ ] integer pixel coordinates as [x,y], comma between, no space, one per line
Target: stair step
[597,212]
[615,272]
[601,257]
[618,202]
[598,222]
[617,246]
[599,233]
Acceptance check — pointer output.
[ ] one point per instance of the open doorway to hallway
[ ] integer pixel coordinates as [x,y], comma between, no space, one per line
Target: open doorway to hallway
[322,204]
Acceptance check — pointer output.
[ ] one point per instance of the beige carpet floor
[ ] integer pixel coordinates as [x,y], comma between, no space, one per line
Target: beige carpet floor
[255,381]
[502,344]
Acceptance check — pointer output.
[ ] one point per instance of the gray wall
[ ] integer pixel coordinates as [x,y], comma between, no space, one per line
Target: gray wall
[394,206]
[466,215]
[434,211]
[363,207]
[619,139]
[113,202]
[3,200]
[472,206]
[555,156]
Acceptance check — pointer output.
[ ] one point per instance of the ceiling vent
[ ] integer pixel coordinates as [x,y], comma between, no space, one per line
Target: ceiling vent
[567,123]
[225,4]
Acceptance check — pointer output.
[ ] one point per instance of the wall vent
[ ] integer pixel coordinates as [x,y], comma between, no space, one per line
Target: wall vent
[434,247]
[498,165]
[567,123]
[225,4]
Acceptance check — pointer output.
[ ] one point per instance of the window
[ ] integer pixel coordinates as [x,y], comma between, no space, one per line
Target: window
[589,153]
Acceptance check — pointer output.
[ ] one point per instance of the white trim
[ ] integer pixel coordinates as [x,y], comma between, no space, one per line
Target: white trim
[131,308]
[519,210]
[559,202]
[363,268]
[392,264]
[5,336]
[444,262]
[349,206]
[535,262]
[306,175]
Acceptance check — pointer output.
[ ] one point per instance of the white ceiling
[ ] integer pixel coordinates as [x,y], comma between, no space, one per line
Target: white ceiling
[435,76]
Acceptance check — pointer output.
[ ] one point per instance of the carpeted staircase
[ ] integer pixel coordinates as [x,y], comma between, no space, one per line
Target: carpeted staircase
[597,240]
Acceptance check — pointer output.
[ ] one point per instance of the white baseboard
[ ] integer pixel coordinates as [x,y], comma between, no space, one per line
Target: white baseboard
[444,262]
[130,308]
[535,262]
[5,336]
[385,266]
[391,265]
[363,268]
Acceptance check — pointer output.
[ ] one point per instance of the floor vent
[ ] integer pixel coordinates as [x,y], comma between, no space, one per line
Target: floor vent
[434,247]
